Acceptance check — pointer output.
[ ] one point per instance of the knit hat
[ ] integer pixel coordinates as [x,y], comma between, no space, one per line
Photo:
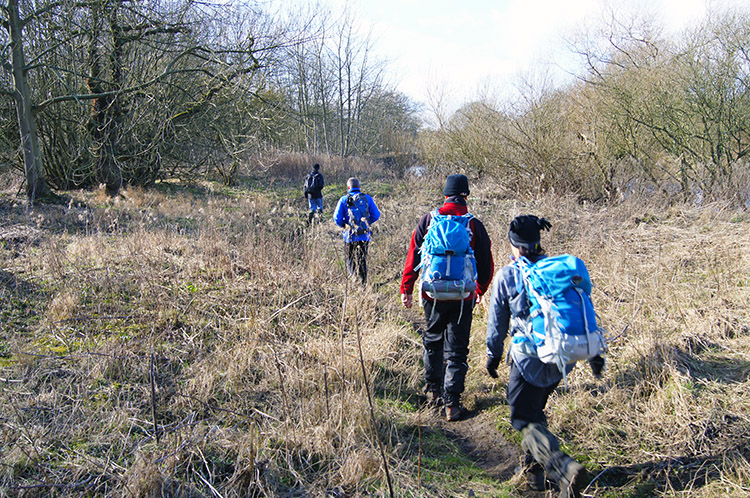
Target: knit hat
[316,166]
[456,185]
[525,229]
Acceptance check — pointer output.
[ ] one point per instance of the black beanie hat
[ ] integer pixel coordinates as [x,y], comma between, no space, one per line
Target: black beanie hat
[524,231]
[456,185]
[316,166]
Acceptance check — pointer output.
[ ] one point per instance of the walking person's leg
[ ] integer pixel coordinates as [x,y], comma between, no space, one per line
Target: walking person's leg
[311,208]
[541,447]
[432,350]
[544,447]
[527,404]
[351,258]
[362,248]
[526,401]
[316,207]
[456,352]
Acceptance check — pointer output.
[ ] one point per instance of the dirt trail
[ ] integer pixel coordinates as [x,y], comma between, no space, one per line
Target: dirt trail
[479,439]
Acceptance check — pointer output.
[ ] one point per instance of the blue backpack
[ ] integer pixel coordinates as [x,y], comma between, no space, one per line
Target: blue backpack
[562,322]
[359,213]
[449,270]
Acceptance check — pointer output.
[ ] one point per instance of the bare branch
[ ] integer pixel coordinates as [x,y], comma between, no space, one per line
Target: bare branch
[167,72]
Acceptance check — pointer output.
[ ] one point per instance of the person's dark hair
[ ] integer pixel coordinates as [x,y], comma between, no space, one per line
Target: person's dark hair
[316,166]
[532,255]
[525,234]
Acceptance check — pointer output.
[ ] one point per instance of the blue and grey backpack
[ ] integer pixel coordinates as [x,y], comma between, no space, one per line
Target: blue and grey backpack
[449,270]
[359,213]
[562,322]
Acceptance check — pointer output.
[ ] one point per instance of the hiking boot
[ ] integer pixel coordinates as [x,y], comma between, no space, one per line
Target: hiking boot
[597,366]
[434,396]
[572,481]
[533,473]
[454,412]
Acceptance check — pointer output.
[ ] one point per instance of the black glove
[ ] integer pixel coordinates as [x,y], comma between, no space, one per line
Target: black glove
[492,364]
[597,366]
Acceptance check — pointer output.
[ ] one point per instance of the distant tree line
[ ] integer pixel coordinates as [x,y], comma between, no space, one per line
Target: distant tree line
[649,115]
[121,92]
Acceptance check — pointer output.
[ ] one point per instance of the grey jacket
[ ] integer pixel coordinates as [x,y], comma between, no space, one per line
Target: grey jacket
[509,304]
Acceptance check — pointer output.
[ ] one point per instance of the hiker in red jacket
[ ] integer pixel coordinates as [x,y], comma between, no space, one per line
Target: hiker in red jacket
[445,338]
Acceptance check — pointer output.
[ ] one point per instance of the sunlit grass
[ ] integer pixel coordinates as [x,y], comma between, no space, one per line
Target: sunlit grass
[242,320]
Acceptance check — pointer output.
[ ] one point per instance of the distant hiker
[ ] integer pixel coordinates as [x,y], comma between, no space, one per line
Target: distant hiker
[515,292]
[454,252]
[313,189]
[356,212]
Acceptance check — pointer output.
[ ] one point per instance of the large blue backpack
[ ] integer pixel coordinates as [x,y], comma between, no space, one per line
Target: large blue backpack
[449,270]
[562,322]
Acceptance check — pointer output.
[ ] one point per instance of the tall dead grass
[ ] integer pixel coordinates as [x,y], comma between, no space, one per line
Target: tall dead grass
[258,381]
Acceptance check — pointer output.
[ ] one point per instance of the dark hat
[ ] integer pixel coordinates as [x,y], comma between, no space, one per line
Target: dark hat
[525,229]
[456,185]
[316,166]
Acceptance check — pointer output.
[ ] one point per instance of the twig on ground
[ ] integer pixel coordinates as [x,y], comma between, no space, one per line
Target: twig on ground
[153,396]
[373,420]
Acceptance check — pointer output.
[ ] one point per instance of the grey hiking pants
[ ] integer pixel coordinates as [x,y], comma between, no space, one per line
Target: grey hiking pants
[445,344]
[544,447]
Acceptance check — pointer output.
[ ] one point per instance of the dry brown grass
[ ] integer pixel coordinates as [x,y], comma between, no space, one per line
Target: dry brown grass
[259,389]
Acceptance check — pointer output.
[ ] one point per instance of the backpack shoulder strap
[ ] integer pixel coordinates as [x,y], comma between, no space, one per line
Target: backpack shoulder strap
[352,202]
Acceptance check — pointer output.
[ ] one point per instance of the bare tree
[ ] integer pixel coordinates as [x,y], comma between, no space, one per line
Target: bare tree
[133,75]
[14,23]
[332,78]
[680,111]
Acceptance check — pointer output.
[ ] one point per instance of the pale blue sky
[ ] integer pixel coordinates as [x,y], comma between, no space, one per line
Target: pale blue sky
[462,49]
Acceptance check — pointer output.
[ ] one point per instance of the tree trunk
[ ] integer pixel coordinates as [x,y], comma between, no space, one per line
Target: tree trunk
[36,183]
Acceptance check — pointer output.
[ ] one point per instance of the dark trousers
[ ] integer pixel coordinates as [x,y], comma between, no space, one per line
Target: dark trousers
[356,259]
[445,344]
[526,401]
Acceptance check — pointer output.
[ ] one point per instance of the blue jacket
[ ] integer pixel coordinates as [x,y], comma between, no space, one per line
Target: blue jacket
[509,300]
[341,217]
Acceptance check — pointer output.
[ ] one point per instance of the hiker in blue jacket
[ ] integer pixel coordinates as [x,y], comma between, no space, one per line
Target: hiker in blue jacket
[531,381]
[356,212]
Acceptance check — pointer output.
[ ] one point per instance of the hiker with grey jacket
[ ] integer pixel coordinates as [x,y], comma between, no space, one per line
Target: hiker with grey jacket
[531,381]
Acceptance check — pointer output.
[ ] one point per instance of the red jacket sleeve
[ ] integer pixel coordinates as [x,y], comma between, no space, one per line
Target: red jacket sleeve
[483,255]
[413,258]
